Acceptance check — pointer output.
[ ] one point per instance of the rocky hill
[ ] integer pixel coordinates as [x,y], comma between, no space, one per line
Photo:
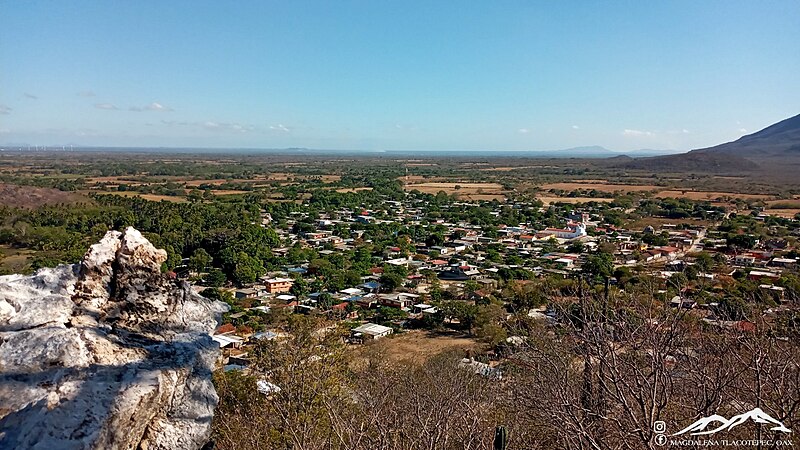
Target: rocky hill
[106,354]
[781,140]
[774,150]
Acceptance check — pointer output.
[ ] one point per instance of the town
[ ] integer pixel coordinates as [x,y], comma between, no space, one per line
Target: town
[422,264]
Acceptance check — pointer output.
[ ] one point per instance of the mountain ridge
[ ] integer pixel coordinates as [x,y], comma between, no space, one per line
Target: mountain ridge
[776,147]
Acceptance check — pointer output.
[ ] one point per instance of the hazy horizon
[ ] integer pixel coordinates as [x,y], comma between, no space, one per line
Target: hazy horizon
[507,76]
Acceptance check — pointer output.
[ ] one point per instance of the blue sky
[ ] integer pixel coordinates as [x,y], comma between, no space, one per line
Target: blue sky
[396,75]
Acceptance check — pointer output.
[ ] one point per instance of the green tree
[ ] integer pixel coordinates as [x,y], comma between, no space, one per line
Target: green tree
[199,260]
[464,312]
[247,269]
[300,287]
[391,281]
[215,278]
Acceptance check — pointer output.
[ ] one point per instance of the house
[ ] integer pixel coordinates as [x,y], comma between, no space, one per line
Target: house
[454,273]
[669,252]
[352,292]
[744,260]
[678,302]
[757,275]
[564,263]
[399,300]
[249,293]
[419,307]
[371,331]
[225,340]
[650,256]
[265,336]
[777,292]
[371,286]
[783,262]
[367,301]
[276,285]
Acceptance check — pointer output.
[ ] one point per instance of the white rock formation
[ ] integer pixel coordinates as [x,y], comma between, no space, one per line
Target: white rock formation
[106,354]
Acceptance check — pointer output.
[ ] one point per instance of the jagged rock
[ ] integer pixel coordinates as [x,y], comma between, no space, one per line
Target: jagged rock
[106,354]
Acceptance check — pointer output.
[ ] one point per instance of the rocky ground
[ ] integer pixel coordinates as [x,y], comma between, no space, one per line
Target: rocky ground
[106,354]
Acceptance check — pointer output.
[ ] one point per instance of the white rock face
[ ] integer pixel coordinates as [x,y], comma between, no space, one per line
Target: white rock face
[106,354]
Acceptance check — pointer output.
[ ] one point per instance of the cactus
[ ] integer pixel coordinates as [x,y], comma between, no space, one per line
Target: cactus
[500,438]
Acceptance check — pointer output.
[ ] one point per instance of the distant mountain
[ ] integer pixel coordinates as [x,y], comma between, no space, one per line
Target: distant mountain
[779,140]
[596,151]
[776,147]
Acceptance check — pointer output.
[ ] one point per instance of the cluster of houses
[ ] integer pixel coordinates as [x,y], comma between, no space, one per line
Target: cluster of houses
[464,256]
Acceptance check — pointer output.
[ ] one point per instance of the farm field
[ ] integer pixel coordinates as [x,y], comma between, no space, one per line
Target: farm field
[549,200]
[659,191]
[785,213]
[603,187]
[152,197]
[417,346]
[709,196]
[465,191]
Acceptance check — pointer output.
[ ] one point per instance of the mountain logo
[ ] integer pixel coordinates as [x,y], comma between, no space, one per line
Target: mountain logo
[716,423]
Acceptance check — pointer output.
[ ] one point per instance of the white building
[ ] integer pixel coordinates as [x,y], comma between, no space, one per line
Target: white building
[372,330]
[566,233]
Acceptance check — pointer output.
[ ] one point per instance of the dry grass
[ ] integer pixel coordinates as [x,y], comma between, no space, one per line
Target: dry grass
[784,204]
[229,192]
[657,222]
[602,187]
[14,260]
[151,197]
[34,197]
[417,346]
[510,168]
[785,213]
[547,200]
[708,196]
[659,191]
[358,189]
[463,191]
[450,188]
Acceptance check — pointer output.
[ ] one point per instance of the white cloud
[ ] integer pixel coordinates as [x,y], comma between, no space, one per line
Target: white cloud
[685,131]
[107,106]
[575,127]
[224,126]
[86,94]
[5,109]
[31,96]
[212,125]
[172,122]
[742,130]
[523,131]
[637,133]
[154,106]
[279,127]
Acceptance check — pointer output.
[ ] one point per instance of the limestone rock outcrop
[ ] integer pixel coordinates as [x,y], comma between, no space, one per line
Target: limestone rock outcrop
[106,354]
